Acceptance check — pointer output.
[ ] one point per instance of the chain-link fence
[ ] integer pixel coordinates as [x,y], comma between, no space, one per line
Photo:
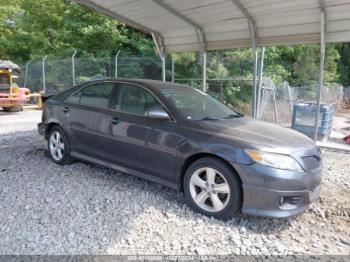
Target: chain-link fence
[235,93]
[54,75]
[140,67]
[275,101]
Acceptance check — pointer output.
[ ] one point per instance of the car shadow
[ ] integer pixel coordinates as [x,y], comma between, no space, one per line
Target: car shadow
[2,112]
[176,201]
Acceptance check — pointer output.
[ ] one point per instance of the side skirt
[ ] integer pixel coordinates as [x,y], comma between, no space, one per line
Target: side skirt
[125,170]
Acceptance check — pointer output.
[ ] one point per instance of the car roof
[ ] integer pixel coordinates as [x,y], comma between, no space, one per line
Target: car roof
[156,84]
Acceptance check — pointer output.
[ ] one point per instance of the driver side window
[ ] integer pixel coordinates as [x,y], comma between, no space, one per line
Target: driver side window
[134,100]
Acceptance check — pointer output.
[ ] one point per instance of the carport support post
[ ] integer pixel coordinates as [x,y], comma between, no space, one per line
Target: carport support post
[320,77]
[255,65]
[261,70]
[26,74]
[204,73]
[172,70]
[73,68]
[44,78]
[275,104]
[116,65]
[289,98]
[163,68]
[158,41]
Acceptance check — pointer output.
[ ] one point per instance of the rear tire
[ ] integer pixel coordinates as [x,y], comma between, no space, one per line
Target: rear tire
[59,147]
[13,108]
[213,188]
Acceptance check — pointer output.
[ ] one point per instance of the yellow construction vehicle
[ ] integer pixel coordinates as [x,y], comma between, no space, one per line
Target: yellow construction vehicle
[12,97]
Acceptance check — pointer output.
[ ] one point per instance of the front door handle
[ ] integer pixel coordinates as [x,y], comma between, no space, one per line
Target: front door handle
[114,121]
[66,109]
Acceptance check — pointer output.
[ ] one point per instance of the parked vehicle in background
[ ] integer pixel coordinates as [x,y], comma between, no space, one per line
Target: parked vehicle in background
[183,138]
[12,97]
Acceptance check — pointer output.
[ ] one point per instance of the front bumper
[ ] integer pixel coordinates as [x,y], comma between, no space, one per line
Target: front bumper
[11,99]
[42,129]
[277,193]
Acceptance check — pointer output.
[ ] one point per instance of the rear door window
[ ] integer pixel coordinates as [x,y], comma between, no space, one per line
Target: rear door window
[95,95]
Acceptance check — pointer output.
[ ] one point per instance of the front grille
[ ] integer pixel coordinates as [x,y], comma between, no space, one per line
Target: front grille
[5,87]
[4,82]
[311,162]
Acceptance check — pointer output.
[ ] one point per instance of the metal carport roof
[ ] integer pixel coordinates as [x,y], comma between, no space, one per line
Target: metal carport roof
[190,25]
[224,23]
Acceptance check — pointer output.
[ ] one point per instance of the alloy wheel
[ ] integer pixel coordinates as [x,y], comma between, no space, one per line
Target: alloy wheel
[209,189]
[56,145]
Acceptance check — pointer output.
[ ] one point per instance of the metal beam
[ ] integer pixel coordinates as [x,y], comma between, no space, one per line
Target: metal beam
[116,16]
[253,41]
[322,5]
[26,74]
[260,80]
[73,67]
[172,70]
[159,43]
[255,66]
[198,29]
[204,76]
[322,58]
[199,34]
[251,21]
[44,73]
[116,64]
[245,12]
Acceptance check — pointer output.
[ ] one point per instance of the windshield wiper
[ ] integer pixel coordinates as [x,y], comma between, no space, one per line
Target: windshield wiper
[208,118]
[237,115]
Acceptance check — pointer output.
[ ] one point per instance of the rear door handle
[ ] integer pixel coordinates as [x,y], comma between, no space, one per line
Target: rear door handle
[114,121]
[66,109]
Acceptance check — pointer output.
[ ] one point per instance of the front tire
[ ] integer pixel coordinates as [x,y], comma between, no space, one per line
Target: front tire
[213,188]
[58,146]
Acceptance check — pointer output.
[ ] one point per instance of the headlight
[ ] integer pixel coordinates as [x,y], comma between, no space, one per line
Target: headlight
[275,160]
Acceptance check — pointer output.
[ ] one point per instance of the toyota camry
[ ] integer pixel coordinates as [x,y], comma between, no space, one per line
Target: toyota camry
[180,137]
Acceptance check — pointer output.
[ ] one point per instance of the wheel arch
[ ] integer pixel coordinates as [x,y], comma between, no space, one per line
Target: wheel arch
[193,158]
[49,128]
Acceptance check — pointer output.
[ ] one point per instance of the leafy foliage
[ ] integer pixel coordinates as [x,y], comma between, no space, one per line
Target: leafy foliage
[30,29]
[344,63]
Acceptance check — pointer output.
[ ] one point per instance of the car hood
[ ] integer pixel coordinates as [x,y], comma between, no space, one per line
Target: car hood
[258,134]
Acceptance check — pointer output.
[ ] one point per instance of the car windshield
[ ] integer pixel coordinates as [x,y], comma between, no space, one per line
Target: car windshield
[197,105]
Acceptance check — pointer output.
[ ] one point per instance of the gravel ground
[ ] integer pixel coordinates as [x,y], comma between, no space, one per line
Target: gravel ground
[86,209]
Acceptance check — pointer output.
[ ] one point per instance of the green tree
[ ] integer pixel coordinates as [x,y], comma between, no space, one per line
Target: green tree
[33,28]
[344,65]
[8,12]
[30,29]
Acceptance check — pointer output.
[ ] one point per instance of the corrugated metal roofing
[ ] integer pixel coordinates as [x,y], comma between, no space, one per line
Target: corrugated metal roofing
[225,25]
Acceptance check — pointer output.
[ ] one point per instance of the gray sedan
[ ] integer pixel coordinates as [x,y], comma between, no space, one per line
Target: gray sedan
[182,138]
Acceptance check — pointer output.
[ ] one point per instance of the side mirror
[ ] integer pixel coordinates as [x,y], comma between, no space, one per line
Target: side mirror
[157,113]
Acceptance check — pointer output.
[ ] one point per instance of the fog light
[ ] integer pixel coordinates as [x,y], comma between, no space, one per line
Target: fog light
[293,200]
[289,200]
